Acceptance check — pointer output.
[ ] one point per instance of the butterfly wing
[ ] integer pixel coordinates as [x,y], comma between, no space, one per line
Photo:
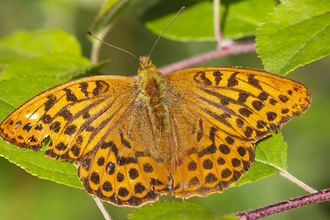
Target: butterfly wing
[126,170]
[216,114]
[63,111]
[99,123]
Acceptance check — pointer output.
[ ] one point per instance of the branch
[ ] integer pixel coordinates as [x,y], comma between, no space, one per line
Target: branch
[234,48]
[286,205]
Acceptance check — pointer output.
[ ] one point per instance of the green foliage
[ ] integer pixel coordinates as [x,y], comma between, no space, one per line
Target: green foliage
[178,211]
[23,44]
[238,18]
[109,11]
[293,34]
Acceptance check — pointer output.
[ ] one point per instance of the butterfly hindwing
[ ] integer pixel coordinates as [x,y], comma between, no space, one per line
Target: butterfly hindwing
[126,169]
[206,159]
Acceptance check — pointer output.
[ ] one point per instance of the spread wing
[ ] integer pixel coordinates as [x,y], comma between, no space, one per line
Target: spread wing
[216,114]
[98,123]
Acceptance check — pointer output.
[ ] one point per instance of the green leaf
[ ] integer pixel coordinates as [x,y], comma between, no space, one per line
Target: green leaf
[38,165]
[33,162]
[242,18]
[62,65]
[17,90]
[108,12]
[177,210]
[22,44]
[295,34]
[238,18]
[270,158]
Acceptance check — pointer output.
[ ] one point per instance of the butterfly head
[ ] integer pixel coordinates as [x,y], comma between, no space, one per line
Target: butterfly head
[145,62]
[149,74]
[146,66]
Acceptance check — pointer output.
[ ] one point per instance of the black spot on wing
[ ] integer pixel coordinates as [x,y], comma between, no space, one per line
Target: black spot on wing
[70,96]
[253,81]
[200,78]
[217,76]
[83,88]
[232,81]
[50,102]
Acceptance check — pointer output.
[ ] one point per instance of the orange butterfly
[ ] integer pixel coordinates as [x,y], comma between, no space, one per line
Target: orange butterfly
[187,133]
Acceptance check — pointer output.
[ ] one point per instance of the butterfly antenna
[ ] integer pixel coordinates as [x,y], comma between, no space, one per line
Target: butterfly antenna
[181,9]
[118,48]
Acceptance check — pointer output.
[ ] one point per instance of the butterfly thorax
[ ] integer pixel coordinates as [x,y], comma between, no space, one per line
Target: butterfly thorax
[153,94]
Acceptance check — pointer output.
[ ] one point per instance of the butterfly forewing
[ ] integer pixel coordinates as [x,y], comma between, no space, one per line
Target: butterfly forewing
[242,102]
[64,111]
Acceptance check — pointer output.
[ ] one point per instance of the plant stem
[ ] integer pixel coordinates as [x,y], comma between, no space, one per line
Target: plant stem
[222,42]
[297,182]
[216,21]
[234,48]
[286,205]
[101,207]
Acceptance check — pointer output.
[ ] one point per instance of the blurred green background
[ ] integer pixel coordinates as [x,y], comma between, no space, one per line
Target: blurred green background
[23,196]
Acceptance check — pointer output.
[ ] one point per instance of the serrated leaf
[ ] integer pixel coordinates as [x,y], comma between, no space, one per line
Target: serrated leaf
[23,44]
[19,89]
[273,152]
[177,210]
[238,18]
[33,162]
[61,65]
[38,165]
[295,34]
[270,158]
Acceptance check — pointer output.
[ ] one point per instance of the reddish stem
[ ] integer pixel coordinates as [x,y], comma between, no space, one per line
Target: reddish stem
[234,48]
[286,205]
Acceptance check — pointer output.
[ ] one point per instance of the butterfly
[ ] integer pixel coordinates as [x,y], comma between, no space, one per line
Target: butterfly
[189,133]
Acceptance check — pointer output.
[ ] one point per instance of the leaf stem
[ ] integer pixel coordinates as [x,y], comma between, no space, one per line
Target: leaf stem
[99,203]
[216,21]
[286,205]
[297,182]
[222,42]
